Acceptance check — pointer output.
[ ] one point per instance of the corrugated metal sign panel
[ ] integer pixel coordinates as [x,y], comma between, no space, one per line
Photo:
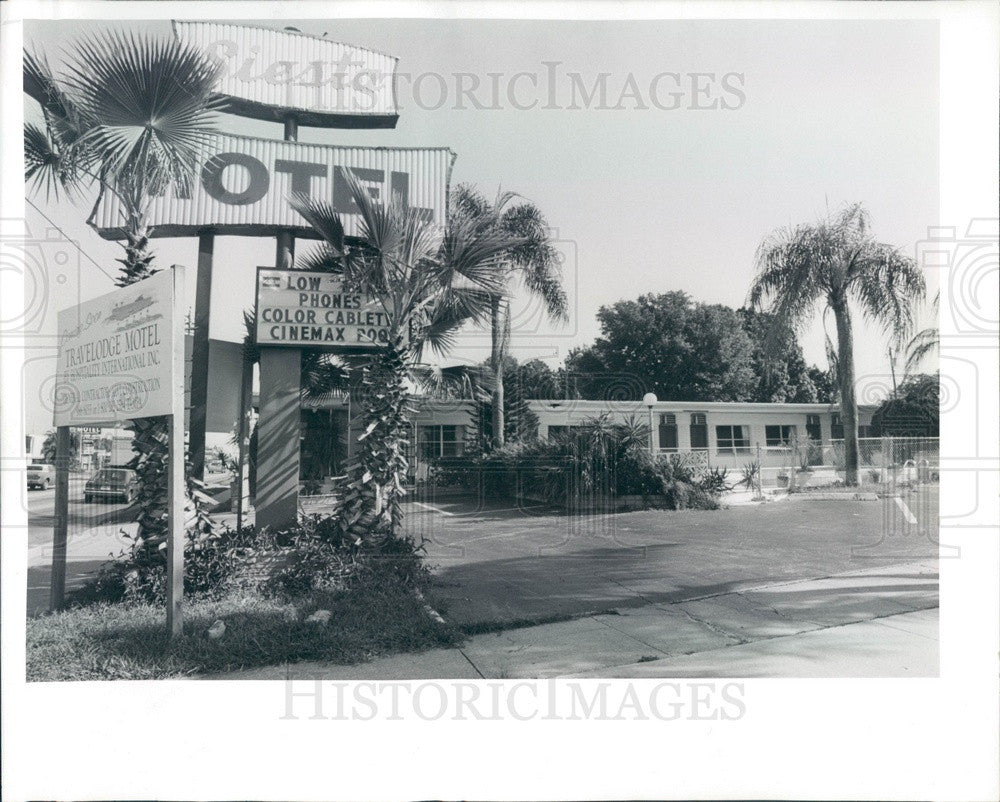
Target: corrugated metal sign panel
[268,74]
[243,185]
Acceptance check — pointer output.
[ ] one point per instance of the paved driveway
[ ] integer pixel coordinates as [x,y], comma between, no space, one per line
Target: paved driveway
[500,566]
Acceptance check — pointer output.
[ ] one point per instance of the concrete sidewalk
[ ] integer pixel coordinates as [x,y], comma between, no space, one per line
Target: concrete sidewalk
[877,622]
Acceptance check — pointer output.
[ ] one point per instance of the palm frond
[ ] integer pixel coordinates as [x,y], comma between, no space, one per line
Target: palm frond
[44,165]
[887,284]
[788,281]
[924,342]
[321,373]
[324,219]
[474,253]
[454,381]
[151,105]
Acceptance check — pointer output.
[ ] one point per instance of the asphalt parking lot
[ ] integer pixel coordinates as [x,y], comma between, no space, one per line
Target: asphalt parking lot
[498,563]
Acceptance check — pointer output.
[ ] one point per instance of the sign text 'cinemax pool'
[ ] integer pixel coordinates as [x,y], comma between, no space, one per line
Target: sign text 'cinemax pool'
[303,309]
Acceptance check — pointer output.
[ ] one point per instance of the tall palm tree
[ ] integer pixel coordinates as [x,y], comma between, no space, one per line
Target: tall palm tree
[837,262]
[534,260]
[429,282]
[126,115]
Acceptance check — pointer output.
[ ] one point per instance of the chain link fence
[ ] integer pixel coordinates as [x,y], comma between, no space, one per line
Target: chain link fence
[884,463]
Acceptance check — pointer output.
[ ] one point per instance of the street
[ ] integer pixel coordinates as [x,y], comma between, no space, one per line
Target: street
[41,510]
[94,534]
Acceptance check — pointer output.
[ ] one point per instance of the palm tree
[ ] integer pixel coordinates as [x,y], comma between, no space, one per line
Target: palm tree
[429,282]
[922,343]
[534,261]
[127,115]
[837,262]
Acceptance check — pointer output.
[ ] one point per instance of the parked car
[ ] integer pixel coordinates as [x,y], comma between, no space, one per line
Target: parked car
[41,476]
[112,483]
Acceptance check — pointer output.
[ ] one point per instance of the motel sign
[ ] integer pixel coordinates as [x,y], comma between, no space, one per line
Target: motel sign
[242,187]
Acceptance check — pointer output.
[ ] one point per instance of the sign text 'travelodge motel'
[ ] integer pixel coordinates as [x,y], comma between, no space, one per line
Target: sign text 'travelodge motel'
[298,309]
[243,185]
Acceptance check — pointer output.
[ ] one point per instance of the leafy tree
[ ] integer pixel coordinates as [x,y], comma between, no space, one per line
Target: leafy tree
[667,344]
[837,262]
[533,260]
[430,283]
[128,116]
[49,447]
[781,374]
[825,383]
[913,411]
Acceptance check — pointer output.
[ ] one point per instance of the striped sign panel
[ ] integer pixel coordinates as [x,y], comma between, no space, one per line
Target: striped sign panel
[243,185]
[269,74]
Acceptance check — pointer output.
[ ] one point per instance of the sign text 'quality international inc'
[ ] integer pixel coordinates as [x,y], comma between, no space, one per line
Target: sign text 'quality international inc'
[302,309]
[114,360]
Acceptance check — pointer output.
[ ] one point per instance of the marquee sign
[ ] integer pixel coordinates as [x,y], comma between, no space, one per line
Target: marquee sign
[270,74]
[304,309]
[114,360]
[243,185]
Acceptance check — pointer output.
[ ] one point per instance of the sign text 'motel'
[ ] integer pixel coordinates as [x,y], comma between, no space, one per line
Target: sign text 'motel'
[114,355]
[301,309]
[243,185]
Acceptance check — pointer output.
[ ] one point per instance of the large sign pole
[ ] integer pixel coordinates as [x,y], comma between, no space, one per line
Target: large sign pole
[176,494]
[280,389]
[199,355]
[61,520]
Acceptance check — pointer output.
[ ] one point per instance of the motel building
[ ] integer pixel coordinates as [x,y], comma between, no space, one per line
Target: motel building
[714,434]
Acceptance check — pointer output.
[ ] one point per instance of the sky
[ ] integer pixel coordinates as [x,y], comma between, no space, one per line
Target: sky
[822,113]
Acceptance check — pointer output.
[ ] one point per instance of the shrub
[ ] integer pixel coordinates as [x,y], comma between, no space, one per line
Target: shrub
[595,460]
[307,557]
[750,475]
[714,480]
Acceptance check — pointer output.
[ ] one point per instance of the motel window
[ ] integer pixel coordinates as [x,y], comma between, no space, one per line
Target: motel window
[557,431]
[813,429]
[699,431]
[562,432]
[668,432]
[440,441]
[732,439]
[779,436]
[836,426]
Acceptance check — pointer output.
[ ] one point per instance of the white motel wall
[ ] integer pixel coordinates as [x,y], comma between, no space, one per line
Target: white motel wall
[719,434]
[728,432]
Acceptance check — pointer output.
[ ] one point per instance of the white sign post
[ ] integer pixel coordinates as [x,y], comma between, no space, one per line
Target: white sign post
[121,357]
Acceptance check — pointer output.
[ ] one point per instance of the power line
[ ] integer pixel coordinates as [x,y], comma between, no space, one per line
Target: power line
[69,239]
